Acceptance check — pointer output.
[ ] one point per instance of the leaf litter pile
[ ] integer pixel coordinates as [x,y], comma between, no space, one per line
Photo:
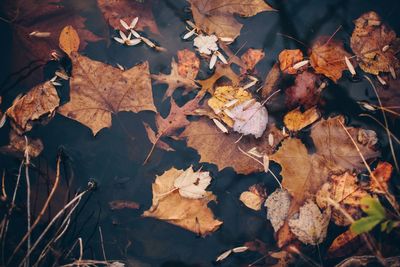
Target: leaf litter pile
[327,189]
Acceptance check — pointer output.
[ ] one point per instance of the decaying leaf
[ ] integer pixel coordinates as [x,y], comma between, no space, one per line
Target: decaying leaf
[288,58]
[18,146]
[310,226]
[190,214]
[305,91]
[344,190]
[328,57]
[250,118]
[303,173]
[216,17]
[296,120]
[49,16]
[99,90]
[375,44]
[182,73]
[222,150]
[250,59]
[123,204]
[126,10]
[271,81]
[254,197]
[382,173]
[345,244]
[39,102]
[221,70]
[69,40]
[376,214]
[277,205]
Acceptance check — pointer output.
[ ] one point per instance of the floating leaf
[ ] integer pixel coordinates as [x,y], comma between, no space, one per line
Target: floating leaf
[305,91]
[250,59]
[278,204]
[382,173]
[99,90]
[190,214]
[193,184]
[216,17]
[39,102]
[288,58]
[254,197]
[69,40]
[296,120]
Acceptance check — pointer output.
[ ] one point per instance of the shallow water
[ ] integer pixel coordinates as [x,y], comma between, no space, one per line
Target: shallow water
[114,157]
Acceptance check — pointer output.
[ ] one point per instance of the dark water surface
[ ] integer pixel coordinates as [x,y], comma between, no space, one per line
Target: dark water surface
[114,157]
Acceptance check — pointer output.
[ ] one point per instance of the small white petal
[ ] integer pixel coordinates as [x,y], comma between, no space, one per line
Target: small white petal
[135,33]
[250,84]
[220,126]
[213,60]
[124,24]
[300,64]
[271,140]
[119,40]
[382,81]
[222,58]
[3,120]
[189,34]
[266,163]
[240,249]
[133,42]
[349,66]
[123,35]
[191,24]
[224,255]
[226,39]
[148,42]
[134,22]
[231,103]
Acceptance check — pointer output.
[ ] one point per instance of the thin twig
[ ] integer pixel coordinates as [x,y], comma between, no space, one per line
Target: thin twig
[28,198]
[102,244]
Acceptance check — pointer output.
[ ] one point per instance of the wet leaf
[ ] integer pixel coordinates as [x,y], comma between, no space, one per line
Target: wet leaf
[288,58]
[69,40]
[39,102]
[123,204]
[17,146]
[344,190]
[369,38]
[126,10]
[220,149]
[305,91]
[41,16]
[382,173]
[182,73]
[250,59]
[254,197]
[278,204]
[296,120]
[310,226]
[99,90]
[328,57]
[217,17]
[190,214]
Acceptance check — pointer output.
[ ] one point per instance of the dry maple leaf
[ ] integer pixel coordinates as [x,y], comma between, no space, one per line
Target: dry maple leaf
[99,90]
[217,16]
[182,74]
[288,58]
[305,91]
[328,57]
[44,16]
[250,59]
[190,214]
[222,150]
[344,190]
[126,10]
[296,120]
[40,101]
[375,44]
[254,197]
[193,184]
[18,146]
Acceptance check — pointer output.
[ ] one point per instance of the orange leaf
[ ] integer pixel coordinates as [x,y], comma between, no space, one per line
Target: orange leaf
[296,120]
[69,40]
[287,58]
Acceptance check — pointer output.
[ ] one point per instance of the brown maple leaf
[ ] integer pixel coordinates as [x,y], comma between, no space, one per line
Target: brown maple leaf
[375,44]
[328,57]
[216,17]
[126,10]
[169,205]
[44,16]
[39,102]
[223,150]
[182,74]
[98,90]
